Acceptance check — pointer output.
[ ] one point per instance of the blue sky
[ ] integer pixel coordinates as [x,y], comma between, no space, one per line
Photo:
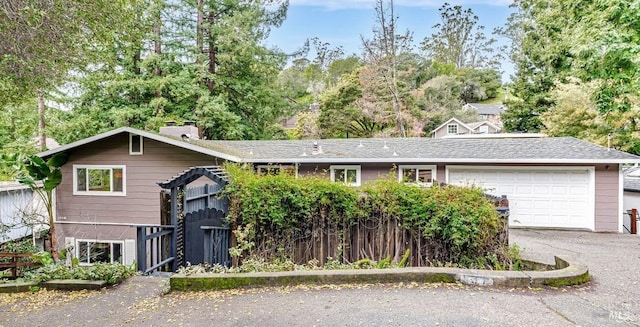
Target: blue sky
[341,22]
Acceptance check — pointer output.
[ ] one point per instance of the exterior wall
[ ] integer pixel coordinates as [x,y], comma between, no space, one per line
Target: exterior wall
[607,187]
[369,172]
[20,210]
[607,198]
[443,131]
[107,214]
[631,200]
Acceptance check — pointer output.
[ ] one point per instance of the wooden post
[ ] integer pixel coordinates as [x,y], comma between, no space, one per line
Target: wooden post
[174,221]
[633,219]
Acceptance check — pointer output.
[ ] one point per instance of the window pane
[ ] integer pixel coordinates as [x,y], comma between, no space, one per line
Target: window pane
[81,181]
[352,175]
[117,253]
[288,170]
[425,176]
[409,175]
[338,175]
[118,176]
[100,252]
[83,254]
[100,180]
[136,143]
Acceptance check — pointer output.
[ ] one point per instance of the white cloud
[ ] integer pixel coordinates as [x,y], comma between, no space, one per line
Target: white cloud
[349,4]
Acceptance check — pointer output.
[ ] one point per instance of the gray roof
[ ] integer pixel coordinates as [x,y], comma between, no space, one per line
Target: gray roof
[391,150]
[488,109]
[632,179]
[540,150]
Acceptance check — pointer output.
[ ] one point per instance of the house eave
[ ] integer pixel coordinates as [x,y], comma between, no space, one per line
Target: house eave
[156,137]
[440,160]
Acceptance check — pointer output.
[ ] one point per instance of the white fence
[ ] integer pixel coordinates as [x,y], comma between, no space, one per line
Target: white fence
[21,212]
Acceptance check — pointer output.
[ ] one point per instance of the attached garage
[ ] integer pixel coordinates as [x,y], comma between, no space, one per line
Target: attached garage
[556,197]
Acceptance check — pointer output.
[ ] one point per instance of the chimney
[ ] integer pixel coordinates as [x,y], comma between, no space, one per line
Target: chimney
[187,132]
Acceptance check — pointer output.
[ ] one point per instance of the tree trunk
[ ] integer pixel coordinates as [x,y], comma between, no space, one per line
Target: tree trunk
[52,226]
[41,123]
[157,32]
[212,52]
[199,34]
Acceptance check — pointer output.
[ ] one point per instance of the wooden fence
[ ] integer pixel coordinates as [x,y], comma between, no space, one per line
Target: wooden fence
[15,262]
[374,239]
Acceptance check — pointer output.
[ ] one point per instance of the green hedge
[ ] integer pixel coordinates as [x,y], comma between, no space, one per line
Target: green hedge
[313,218]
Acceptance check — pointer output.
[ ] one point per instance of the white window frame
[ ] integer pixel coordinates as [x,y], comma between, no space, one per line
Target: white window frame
[110,242]
[449,126]
[100,193]
[131,152]
[357,168]
[484,129]
[433,168]
[262,168]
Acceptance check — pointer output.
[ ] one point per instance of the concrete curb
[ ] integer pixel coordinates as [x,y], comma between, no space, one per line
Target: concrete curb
[73,284]
[565,274]
[17,287]
[56,284]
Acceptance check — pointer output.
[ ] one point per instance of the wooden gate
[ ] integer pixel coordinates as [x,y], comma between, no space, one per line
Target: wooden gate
[180,237]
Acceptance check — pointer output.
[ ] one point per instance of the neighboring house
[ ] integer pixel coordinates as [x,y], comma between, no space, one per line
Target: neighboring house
[21,212]
[631,192]
[454,126]
[489,112]
[290,123]
[110,181]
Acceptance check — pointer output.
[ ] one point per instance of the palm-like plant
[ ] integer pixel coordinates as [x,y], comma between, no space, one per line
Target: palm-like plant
[43,177]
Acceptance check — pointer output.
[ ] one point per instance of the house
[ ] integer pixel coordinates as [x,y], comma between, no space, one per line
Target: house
[631,193]
[454,126]
[110,180]
[22,212]
[488,112]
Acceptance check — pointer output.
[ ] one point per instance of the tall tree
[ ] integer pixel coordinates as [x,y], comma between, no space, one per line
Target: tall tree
[196,60]
[43,41]
[460,40]
[594,42]
[381,53]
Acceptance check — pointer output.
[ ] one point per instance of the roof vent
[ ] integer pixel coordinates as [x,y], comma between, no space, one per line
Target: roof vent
[316,149]
[361,145]
[385,145]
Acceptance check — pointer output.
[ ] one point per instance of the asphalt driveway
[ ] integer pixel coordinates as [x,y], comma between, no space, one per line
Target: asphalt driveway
[611,299]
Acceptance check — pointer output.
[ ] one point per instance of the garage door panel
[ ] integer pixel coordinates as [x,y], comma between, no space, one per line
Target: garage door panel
[537,198]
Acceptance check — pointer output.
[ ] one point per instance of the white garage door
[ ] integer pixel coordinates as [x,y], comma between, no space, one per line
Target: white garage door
[558,197]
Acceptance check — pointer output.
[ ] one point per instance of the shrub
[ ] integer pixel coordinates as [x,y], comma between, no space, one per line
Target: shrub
[300,219]
[111,273]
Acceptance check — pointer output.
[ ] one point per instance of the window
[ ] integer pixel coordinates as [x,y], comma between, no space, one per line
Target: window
[89,252]
[276,169]
[484,129]
[349,175]
[99,180]
[135,144]
[420,175]
[452,129]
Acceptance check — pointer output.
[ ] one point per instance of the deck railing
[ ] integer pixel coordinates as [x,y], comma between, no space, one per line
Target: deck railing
[156,248]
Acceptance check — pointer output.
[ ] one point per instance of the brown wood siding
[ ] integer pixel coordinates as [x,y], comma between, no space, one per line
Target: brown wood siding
[141,205]
[607,198]
[95,232]
[369,172]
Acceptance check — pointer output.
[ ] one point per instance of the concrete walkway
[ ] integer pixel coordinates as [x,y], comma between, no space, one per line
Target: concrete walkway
[612,299]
